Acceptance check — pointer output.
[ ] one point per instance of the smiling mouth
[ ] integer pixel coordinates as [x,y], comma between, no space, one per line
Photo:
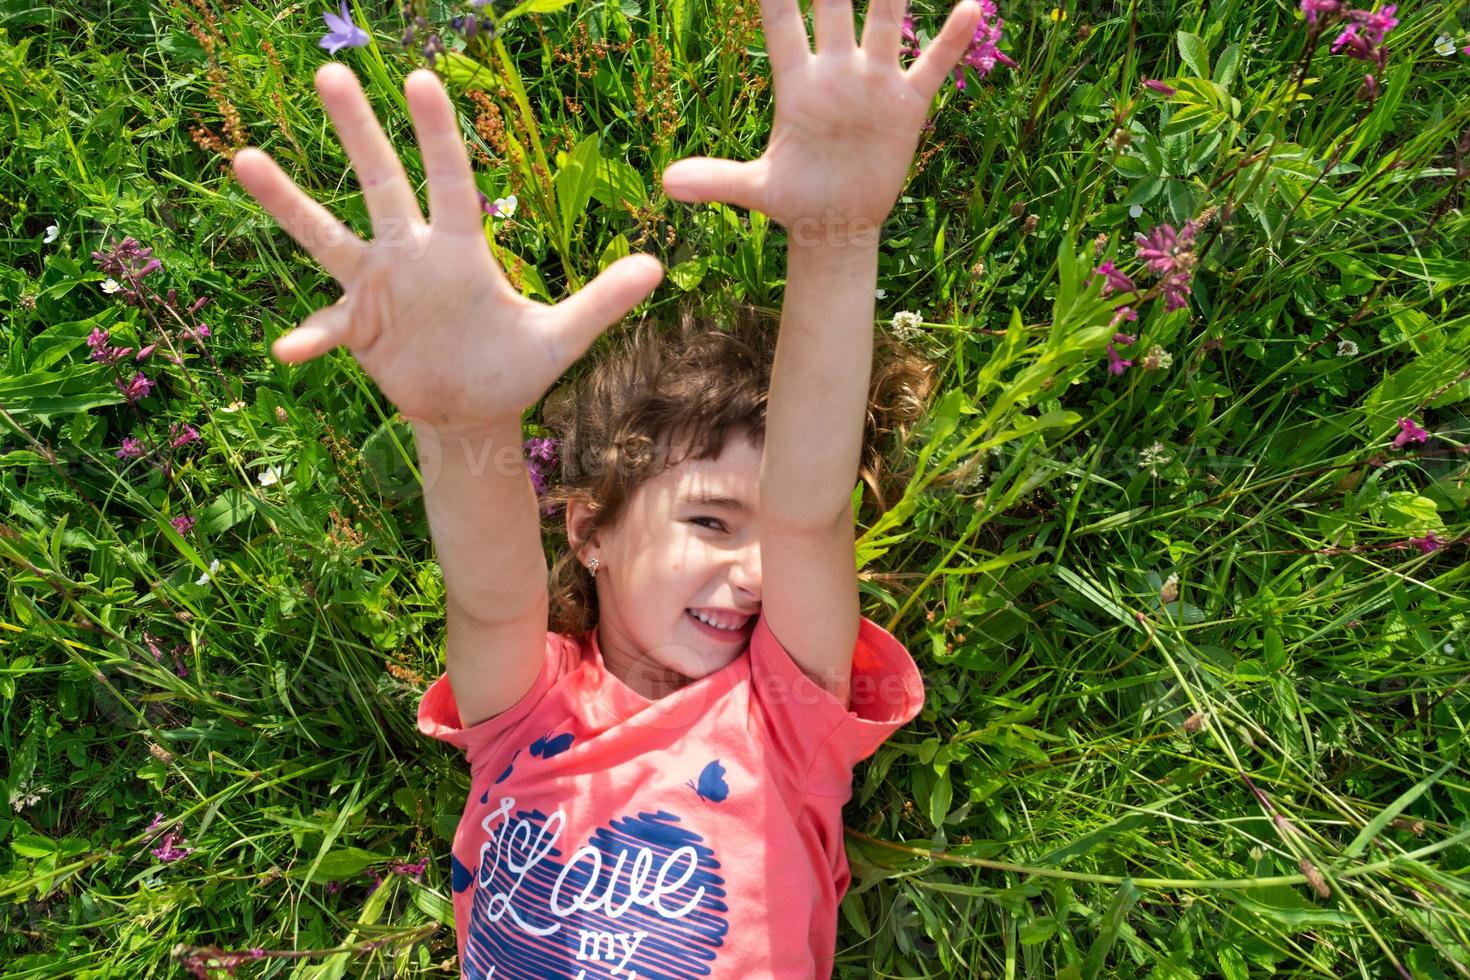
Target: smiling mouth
[735,632]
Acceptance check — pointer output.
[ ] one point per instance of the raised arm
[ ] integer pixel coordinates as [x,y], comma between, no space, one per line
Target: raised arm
[433,320]
[846,125]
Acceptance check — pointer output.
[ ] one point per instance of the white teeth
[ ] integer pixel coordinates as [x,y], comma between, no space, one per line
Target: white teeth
[710,622]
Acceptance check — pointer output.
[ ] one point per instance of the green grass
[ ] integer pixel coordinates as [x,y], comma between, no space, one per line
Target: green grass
[1260,775]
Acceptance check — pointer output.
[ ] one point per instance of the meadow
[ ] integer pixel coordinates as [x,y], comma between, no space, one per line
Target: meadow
[1191,600]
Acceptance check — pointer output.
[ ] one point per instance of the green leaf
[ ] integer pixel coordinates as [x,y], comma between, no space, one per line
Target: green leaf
[616,249]
[346,862]
[534,7]
[1225,67]
[1144,191]
[619,183]
[1192,49]
[1376,825]
[575,182]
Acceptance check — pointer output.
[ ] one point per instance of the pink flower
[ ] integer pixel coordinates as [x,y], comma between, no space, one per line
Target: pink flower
[177,439]
[982,54]
[157,821]
[167,852]
[1116,364]
[1123,313]
[1314,7]
[183,523]
[1158,86]
[131,449]
[137,388]
[142,355]
[1430,542]
[1409,431]
[1115,279]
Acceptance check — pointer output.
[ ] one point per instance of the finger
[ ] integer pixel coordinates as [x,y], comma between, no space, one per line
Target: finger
[832,25]
[328,240]
[883,30]
[711,179]
[785,30]
[589,311]
[385,188]
[939,59]
[322,331]
[454,202]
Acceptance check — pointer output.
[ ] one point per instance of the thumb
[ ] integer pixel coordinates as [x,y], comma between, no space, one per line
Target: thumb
[712,179]
[604,301]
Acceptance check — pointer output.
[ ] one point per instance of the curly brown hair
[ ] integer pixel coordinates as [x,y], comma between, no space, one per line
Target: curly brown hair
[662,392]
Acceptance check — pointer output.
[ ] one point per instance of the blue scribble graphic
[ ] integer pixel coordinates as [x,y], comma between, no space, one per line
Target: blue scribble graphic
[641,896]
[503,776]
[712,785]
[546,746]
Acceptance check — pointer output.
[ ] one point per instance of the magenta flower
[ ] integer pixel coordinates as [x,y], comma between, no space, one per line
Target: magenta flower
[1123,313]
[1409,431]
[1429,543]
[1116,364]
[344,33]
[177,438]
[539,456]
[1363,39]
[135,389]
[1158,86]
[167,852]
[157,822]
[131,449]
[1312,8]
[982,54]
[183,523]
[1115,279]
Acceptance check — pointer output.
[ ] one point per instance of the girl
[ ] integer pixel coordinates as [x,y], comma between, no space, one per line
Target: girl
[657,783]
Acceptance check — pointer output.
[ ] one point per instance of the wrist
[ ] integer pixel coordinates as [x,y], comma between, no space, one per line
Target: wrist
[834,232]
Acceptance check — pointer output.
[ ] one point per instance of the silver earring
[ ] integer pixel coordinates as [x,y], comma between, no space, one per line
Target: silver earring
[592,565]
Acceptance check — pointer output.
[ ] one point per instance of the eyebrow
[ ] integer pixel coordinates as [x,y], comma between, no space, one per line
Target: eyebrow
[702,499]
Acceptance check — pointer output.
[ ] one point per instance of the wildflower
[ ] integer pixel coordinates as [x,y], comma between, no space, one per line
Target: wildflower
[1157,359]
[1444,45]
[982,53]
[415,869]
[1114,279]
[25,795]
[1346,348]
[1171,255]
[234,406]
[135,389]
[1158,86]
[539,451]
[906,324]
[270,476]
[1058,15]
[1116,364]
[131,449]
[1135,210]
[1314,7]
[52,231]
[1123,313]
[127,258]
[344,33]
[880,292]
[157,822]
[167,852]
[110,285]
[1170,589]
[1154,457]
[1430,542]
[213,567]
[183,523]
[502,207]
[1409,431]
[1363,39]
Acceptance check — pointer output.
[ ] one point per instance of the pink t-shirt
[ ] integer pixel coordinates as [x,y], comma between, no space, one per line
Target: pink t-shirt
[699,835]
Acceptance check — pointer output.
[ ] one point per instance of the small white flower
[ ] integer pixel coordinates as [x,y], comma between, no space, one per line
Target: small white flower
[1449,648]
[213,567]
[109,285]
[1134,211]
[880,293]
[906,324]
[270,476]
[1445,45]
[51,232]
[233,407]
[1347,348]
[505,206]
[1154,457]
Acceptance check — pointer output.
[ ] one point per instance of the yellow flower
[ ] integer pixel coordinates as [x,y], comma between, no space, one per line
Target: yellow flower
[1058,14]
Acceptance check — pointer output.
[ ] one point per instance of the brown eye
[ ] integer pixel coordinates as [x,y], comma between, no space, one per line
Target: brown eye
[696,520]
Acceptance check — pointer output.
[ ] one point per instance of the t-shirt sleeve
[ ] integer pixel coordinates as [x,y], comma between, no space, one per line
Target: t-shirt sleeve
[439,712]
[812,733]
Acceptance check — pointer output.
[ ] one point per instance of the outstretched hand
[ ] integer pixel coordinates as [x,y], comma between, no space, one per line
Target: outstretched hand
[847,121]
[426,310]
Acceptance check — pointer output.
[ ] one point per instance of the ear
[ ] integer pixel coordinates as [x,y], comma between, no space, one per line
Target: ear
[579,517]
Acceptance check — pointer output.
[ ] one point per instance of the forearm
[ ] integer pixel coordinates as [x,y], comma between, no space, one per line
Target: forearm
[483,517]
[819,384]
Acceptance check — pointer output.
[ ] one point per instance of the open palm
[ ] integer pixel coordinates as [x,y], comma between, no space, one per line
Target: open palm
[426,310]
[847,118]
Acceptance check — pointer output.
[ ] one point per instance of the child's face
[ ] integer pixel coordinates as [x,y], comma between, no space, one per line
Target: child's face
[667,556]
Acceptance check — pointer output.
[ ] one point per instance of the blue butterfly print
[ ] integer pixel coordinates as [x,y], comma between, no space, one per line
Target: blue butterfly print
[546,746]
[503,776]
[712,785]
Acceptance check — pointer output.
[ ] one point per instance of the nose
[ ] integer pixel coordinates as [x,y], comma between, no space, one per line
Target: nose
[746,573]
